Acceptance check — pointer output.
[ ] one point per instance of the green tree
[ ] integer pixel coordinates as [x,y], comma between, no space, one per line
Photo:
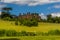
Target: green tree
[49,18]
[6,12]
[6,9]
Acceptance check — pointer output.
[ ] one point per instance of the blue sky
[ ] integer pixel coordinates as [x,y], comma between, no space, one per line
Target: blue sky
[46,8]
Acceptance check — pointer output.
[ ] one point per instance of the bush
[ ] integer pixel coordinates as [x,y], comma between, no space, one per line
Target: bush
[31,34]
[24,33]
[2,32]
[54,32]
[29,22]
[10,39]
[11,33]
[16,23]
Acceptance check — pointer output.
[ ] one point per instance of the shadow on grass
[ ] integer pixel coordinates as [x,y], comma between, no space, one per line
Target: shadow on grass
[10,39]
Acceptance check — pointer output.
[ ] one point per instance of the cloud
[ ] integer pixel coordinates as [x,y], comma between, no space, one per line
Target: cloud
[42,16]
[30,2]
[56,6]
[55,14]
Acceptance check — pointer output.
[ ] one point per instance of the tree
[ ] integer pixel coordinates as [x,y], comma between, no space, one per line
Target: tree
[6,12]
[49,18]
[6,9]
[29,22]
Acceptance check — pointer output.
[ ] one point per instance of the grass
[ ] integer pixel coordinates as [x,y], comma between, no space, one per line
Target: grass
[40,38]
[42,27]
[34,38]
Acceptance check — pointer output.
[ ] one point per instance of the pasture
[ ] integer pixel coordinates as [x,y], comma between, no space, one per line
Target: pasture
[31,38]
[42,27]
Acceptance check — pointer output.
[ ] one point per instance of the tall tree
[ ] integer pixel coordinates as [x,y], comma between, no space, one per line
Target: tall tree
[6,9]
[6,12]
[49,18]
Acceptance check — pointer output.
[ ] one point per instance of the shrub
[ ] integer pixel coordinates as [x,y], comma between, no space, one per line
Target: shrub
[10,39]
[24,33]
[54,32]
[16,23]
[11,33]
[31,34]
[29,22]
[2,32]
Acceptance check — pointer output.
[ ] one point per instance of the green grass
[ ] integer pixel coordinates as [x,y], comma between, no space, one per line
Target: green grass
[42,27]
[40,38]
[34,37]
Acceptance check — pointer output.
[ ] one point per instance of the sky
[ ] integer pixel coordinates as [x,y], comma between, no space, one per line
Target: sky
[42,7]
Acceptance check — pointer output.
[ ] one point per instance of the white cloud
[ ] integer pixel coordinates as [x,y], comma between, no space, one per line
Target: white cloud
[57,6]
[30,2]
[43,16]
[55,14]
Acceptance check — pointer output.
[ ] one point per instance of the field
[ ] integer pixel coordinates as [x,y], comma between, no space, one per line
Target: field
[41,38]
[33,38]
[42,27]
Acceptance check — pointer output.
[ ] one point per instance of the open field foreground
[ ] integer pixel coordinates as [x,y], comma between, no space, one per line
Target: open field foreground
[43,27]
[32,38]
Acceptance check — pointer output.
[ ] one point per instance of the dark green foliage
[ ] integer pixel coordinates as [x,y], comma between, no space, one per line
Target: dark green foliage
[6,12]
[49,33]
[2,32]
[16,22]
[31,34]
[54,32]
[29,22]
[11,33]
[29,19]
[51,19]
[10,39]
[24,33]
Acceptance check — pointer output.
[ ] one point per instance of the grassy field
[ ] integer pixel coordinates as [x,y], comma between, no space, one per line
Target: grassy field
[33,38]
[42,27]
[40,38]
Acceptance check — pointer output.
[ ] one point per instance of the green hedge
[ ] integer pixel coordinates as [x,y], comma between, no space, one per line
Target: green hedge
[13,33]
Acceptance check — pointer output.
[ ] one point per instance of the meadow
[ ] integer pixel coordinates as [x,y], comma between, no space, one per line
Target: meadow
[42,27]
[31,38]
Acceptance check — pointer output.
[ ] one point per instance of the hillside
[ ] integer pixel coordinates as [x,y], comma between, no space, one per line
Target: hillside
[43,27]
